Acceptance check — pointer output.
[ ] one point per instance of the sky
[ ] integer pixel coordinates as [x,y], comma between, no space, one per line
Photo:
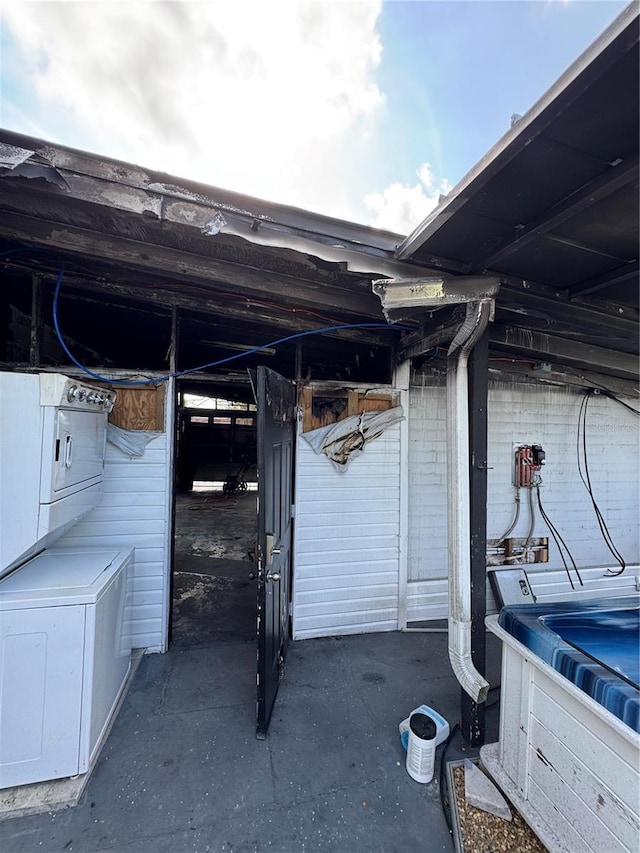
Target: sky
[365,110]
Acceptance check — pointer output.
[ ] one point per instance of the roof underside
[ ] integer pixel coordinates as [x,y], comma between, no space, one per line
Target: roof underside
[552,211]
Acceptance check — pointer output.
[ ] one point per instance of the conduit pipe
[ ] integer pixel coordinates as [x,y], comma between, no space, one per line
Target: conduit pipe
[458,499]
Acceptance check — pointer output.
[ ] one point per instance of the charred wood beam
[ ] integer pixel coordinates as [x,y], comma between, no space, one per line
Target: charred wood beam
[247,313]
[558,315]
[175,341]
[36,321]
[525,303]
[512,285]
[554,349]
[418,342]
[205,270]
[232,378]
[91,176]
[443,335]
[503,369]
[614,179]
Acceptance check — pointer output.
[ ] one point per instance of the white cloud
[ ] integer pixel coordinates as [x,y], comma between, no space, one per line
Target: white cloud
[401,208]
[251,95]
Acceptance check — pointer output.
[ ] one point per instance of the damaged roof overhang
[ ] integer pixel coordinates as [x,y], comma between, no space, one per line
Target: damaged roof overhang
[552,211]
[239,270]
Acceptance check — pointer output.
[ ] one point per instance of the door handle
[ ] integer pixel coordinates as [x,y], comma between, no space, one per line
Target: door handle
[68,451]
[273,576]
[270,550]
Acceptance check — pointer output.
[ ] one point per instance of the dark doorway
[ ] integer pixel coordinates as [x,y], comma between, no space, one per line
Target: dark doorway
[214,572]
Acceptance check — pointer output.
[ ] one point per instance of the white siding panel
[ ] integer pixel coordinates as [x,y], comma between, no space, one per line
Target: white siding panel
[522,413]
[346,541]
[364,577]
[135,512]
[426,600]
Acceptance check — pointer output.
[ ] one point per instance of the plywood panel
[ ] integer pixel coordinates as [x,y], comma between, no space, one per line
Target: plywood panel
[139,408]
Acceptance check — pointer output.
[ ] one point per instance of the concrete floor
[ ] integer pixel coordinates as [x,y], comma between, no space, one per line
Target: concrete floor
[183,771]
[214,587]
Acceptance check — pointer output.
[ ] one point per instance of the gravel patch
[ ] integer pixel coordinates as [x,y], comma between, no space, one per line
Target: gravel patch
[482,832]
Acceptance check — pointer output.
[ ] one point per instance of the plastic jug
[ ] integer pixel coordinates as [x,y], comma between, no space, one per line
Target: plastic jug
[421,749]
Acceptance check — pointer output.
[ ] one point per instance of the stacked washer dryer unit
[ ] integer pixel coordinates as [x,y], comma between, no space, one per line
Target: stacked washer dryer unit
[65,647]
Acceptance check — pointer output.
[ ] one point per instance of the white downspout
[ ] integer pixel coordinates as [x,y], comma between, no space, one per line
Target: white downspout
[458,500]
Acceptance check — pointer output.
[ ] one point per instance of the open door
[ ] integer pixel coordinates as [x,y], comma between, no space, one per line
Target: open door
[276,422]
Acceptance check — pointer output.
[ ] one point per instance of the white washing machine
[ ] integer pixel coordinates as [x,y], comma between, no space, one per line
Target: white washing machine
[65,653]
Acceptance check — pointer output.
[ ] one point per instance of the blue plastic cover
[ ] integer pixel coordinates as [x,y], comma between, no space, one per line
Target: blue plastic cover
[595,644]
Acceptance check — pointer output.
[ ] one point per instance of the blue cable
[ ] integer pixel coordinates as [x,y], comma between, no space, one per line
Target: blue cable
[157,380]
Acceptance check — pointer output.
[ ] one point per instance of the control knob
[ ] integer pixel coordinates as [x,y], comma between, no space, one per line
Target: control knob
[75,393]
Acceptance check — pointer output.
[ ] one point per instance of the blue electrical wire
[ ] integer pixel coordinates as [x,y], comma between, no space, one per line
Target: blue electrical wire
[157,380]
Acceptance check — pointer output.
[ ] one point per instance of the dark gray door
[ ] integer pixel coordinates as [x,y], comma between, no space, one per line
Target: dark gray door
[276,421]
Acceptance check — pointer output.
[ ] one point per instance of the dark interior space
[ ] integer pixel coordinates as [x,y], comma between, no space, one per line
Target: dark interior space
[124,318]
[214,580]
[216,438]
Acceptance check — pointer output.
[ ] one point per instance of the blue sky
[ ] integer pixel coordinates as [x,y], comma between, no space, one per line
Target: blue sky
[361,109]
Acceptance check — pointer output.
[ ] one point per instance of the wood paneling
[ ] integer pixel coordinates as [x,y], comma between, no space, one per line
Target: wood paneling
[139,408]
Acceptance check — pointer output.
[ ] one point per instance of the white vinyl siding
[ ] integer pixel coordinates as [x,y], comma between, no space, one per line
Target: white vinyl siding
[346,541]
[135,512]
[521,413]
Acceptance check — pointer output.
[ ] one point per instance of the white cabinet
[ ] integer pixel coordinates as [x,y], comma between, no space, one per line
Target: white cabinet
[52,445]
[65,654]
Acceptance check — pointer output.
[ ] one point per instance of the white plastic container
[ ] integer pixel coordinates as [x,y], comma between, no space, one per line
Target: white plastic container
[421,748]
[442,726]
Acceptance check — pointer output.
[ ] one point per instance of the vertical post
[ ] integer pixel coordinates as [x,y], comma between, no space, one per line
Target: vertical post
[36,321]
[298,366]
[473,723]
[174,425]
[173,347]
[401,381]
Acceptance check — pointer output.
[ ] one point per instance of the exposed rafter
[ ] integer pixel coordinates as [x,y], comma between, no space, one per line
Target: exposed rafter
[552,348]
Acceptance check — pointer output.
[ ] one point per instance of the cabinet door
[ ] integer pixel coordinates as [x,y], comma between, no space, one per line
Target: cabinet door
[41,663]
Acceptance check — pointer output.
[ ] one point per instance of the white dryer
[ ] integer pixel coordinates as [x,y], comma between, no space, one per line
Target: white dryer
[65,653]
